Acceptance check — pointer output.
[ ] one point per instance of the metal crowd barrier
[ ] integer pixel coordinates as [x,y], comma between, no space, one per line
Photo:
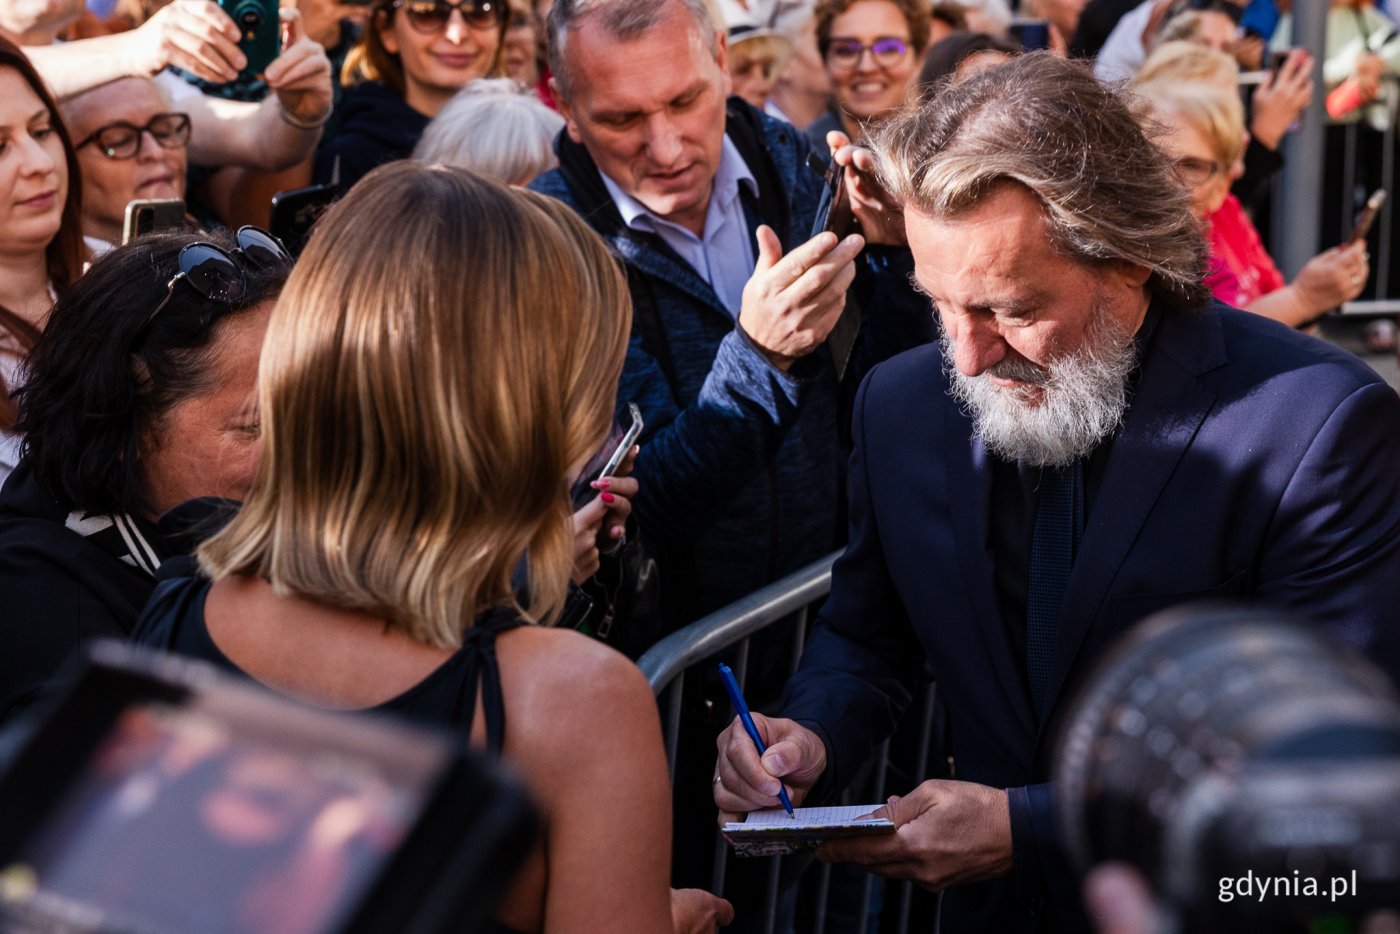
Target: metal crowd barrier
[794,598]
[1381,259]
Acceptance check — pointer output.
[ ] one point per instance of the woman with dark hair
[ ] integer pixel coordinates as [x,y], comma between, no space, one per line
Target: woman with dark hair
[962,55]
[411,59]
[138,397]
[41,233]
[871,49]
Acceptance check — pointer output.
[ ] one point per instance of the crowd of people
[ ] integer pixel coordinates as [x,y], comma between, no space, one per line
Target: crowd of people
[1041,380]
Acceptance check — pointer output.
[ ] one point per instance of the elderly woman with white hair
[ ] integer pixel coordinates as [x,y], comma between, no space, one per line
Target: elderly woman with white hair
[495,128]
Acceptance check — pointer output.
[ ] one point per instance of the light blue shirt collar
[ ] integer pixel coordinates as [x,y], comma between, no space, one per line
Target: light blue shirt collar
[731,172]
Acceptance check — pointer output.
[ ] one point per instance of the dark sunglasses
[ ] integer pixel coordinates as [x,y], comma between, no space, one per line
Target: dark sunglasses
[218,274]
[122,140]
[431,16]
[886,51]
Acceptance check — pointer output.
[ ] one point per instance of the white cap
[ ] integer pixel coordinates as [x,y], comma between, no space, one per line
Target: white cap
[788,16]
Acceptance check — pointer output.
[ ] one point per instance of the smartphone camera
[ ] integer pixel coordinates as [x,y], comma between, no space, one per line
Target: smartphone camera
[249,17]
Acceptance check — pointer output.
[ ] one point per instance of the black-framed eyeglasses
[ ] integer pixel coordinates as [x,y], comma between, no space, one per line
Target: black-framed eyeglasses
[887,51]
[1193,173]
[431,16]
[122,140]
[216,273]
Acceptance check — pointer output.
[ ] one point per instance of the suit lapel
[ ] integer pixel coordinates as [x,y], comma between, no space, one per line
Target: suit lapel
[969,490]
[1169,406]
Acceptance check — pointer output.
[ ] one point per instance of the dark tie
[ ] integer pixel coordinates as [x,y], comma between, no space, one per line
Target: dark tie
[1059,523]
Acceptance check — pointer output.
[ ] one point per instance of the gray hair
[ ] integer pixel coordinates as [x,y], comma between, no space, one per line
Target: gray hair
[623,19]
[494,128]
[1109,194]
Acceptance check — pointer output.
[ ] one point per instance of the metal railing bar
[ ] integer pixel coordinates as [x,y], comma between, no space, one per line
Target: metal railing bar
[1386,306]
[1383,245]
[799,638]
[721,629]
[906,891]
[741,664]
[673,724]
[771,901]
[866,885]
[721,865]
[1348,182]
[823,896]
[882,768]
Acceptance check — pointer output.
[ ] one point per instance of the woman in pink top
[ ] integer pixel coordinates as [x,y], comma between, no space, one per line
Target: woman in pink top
[1202,129]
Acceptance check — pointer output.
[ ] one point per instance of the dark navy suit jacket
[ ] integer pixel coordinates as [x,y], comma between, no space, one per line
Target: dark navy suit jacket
[1255,463]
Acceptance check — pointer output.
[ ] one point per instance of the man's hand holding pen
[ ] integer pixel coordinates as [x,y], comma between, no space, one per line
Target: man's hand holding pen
[745,782]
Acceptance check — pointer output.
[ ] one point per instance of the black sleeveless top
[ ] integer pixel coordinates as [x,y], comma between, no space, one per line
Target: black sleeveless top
[173,621]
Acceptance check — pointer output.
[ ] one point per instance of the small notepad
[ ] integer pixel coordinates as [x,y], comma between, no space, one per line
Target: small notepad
[773,833]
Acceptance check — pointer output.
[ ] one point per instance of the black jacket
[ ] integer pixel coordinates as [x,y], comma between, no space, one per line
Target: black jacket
[67,577]
[376,126]
[58,589]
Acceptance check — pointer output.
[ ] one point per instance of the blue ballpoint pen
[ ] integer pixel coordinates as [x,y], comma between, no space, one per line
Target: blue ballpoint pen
[742,709]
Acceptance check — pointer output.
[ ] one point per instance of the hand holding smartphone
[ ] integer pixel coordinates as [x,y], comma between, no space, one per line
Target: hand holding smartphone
[610,457]
[1367,216]
[834,214]
[146,216]
[294,213]
[834,208]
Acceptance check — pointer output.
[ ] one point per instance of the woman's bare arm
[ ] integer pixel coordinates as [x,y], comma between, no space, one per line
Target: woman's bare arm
[582,727]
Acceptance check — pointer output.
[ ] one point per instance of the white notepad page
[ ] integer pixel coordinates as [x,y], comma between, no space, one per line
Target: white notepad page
[809,817]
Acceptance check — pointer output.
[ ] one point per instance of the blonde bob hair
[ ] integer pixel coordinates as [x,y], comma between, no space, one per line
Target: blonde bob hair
[1216,114]
[429,380]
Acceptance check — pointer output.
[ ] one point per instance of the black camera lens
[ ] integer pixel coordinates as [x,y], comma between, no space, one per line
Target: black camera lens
[1214,742]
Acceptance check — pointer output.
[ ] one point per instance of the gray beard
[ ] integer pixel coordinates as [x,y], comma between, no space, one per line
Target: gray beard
[1083,397]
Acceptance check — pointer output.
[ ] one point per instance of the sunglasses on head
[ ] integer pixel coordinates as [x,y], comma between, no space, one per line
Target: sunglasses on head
[217,274]
[431,16]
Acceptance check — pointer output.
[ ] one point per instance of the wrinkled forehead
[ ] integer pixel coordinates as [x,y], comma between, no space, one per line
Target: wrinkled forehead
[1004,239]
[133,100]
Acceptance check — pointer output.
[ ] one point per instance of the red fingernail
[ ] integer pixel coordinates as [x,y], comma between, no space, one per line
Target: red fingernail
[602,484]
[608,498]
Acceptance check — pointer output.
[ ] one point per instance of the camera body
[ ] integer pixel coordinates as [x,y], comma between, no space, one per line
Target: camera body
[1247,767]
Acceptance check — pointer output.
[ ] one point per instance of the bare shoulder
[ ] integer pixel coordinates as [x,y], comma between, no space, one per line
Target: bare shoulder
[557,681]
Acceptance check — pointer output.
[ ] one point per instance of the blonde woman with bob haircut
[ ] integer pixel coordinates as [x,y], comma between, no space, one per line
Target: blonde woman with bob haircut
[428,388]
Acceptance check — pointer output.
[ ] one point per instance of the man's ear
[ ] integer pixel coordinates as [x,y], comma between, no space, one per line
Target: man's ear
[1129,274]
[722,60]
[566,111]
